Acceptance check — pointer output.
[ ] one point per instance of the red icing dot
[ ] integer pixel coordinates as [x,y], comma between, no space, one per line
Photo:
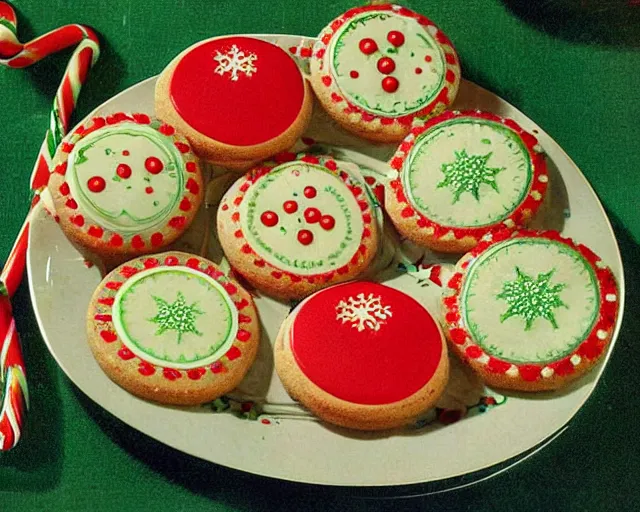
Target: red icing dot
[191,167]
[390,84]
[312,215]
[116,240]
[125,354]
[233,353]
[64,188]
[185,205]
[428,58]
[78,220]
[305,237]
[108,336]
[177,222]
[193,263]
[125,153]
[418,71]
[156,239]
[368,46]
[192,186]
[96,184]
[137,242]
[124,171]
[366,367]
[96,231]
[71,203]
[153,165]
[196,373]
[226,110]
[290,206]
[171,261]
[171,374]
[327,222]
[269,218]
[395,38]
[310,192]
[386,65]
[243,335]
[166,129]
[146,369]
[354,74]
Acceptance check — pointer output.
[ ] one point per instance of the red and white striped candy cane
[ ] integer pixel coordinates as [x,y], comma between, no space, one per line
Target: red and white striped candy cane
[14,54]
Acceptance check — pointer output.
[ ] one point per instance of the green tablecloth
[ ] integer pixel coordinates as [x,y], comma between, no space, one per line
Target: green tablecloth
[573,66]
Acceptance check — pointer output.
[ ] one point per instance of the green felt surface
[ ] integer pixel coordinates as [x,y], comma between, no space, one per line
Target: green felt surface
[572,66]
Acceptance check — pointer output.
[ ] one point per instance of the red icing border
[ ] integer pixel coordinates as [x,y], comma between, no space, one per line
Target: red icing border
[591,348]
[539,179]
[366,367]
[452,67]
[110,238]
[254,175]
[109,335]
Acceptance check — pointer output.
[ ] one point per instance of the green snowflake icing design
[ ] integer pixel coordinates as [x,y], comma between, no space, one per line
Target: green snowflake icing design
[467,173]
[532,298]
[176,316]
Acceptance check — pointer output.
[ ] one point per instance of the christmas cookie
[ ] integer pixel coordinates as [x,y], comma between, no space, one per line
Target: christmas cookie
[530,310]
[219,93]
[461,175]
[376,68]
[125,185]
[291,228]
[173,329]
[362,355]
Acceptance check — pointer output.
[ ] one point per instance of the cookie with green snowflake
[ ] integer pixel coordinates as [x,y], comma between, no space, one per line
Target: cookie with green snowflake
[462,175]
[173,328]
[530,310]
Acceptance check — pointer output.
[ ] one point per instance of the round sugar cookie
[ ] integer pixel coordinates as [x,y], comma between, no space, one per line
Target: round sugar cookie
[219,92]
[294,227]
[125,185]
[462,175]
[376,68]
[173,329]
[530,310]
[362,355]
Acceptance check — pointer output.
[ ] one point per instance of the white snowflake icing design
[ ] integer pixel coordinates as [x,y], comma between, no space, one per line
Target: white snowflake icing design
[235,61]
[363,312]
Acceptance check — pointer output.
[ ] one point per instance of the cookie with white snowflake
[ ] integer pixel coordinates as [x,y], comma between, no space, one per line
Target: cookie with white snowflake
[172,328]
[378,67]
[219,92]
[124,185]
[461,175]
[362,355]
[293,227]
[530,310]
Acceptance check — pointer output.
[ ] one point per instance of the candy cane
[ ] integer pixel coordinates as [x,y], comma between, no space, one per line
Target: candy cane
[14,396]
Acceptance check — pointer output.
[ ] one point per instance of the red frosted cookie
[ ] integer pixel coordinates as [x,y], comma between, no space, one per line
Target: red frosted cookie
[462,175]
[219,93]
[173,328]
[377,67]
[530,310]
[293,227]
[362,355]
[125,185]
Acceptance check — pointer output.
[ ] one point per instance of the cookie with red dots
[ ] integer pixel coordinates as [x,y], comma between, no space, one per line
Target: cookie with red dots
[461,175]
[293,227]
[124,185]
[362,355]
[172,328]
[377,67]
[219,92]
[530,310]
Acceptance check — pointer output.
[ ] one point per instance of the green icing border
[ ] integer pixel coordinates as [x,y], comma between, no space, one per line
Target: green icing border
[409,168]
[480,339]
[337,44]
[216,350]
[165,145]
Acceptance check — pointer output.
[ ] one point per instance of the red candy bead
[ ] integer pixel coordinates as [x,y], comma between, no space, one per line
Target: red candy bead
[312,215]
[327,222]
[386,65]
[390,84]
[305,237]
[290,206]
[149,190]
[428,58]
[96,184]
[153,165]
[354,74]
[269,218]
[395,38]
[418,71]
[368,46]
[124,171]
[310,192]
[125,153]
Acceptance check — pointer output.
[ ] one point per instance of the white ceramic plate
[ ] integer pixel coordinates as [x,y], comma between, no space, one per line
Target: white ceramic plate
[285,442]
